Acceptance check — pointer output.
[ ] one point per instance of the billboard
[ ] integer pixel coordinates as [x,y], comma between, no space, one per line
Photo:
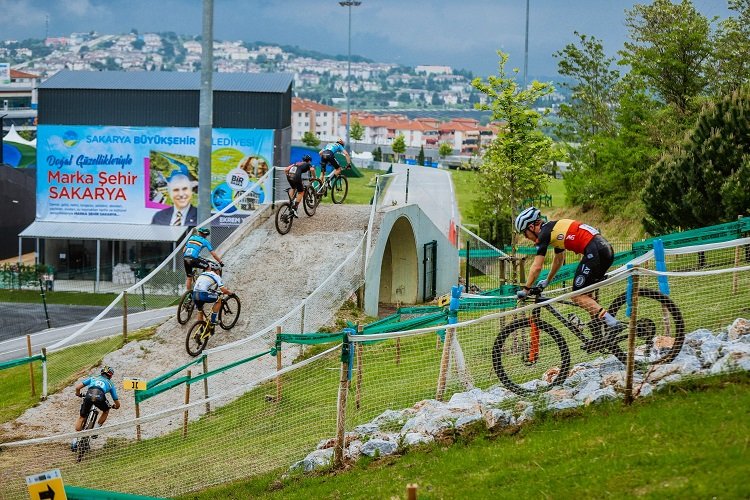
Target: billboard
[146,175]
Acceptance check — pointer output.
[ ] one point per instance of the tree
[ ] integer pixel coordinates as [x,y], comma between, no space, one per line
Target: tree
[399,145]
[310,139]
[377,154]
[356,131]
[513,165]
[730,64]
[592,89]
[669,48]
[705,180]
[444,149]
[420,156]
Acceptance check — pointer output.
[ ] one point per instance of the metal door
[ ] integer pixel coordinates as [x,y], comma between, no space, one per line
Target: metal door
[429,264]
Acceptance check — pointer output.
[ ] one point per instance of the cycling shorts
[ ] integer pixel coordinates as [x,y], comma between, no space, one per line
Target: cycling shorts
[192,263]
[201,297]
[597,257]
[328,158]
[296,182]
[94,397]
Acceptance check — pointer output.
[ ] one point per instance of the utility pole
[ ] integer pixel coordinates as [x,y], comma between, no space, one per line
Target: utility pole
[206,118]
[526,49]
[349,4]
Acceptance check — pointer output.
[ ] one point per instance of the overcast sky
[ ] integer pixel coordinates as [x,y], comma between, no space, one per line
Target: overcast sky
[464,34]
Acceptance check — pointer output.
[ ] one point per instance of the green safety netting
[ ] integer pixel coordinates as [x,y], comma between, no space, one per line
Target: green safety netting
[311,338]
[710,234]
[74,493]
[21,361]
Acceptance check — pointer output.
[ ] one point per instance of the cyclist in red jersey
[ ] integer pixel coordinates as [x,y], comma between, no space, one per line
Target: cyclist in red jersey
[569,234]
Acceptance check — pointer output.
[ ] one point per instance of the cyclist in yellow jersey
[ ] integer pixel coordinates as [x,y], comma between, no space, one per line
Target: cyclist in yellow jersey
[569,234]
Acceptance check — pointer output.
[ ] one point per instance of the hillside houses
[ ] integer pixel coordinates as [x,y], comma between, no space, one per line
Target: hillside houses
[465,135]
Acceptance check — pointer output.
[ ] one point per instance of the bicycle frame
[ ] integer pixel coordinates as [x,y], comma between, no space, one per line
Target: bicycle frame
[536,314]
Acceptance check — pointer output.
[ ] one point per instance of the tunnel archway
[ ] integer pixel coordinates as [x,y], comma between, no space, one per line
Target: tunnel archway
[399,270]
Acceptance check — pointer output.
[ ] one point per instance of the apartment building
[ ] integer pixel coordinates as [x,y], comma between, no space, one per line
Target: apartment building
[318,119]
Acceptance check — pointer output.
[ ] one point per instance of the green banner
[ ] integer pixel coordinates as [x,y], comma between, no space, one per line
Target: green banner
[20,361]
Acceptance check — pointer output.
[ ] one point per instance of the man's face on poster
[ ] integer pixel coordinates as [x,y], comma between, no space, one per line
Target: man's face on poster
[180,191]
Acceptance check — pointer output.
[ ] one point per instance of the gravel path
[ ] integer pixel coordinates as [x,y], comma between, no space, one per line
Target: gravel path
[268,272]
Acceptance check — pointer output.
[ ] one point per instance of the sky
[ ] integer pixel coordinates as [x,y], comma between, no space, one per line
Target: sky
[464,34]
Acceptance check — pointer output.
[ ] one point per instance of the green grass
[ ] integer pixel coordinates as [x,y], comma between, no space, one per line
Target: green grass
[63,367]
[361,189]
[81,298]
[466,185]
[689,441]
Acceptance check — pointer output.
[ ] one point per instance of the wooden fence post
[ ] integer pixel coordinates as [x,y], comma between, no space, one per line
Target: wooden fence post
[360,368]
[631,342]
[398,339]
[44,374]
[137,426]
[338,450]
[735,277]
[125,317]
[31,366]
[278,365]
[411,491]
[444,363]
[187,400]
[205,383]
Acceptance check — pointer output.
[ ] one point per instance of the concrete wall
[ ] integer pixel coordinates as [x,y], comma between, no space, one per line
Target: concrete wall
[395,271]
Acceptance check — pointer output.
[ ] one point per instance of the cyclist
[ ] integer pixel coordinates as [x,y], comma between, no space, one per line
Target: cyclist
[191,254]
[206,291]
[568,234]
[96,395]
[328,157]
[294,176]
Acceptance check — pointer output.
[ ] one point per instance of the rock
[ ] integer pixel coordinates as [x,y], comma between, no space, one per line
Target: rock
[564,404]
[315,460]
[599,395]
[415,438]
[587,390]
[380,447]
[738,328]
[467,419]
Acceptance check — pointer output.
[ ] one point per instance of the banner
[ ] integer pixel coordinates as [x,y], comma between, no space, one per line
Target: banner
[145,175]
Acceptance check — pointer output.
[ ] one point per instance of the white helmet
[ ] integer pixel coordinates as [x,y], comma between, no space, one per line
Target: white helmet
[526,217]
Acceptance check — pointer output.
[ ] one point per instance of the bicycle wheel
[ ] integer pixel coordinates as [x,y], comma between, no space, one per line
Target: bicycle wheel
[659,327]
[197,338]
[229,312]
[523,353]
[310,201]
[339,189]
[284,218]
[84,445]
[185,308]
[317,186]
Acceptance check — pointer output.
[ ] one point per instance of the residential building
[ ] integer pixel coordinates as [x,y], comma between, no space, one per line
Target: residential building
[319,119]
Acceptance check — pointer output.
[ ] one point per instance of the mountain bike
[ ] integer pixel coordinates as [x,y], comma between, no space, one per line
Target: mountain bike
[338,185]
[185,306]
[530,348]
[198,335]
[84,444]
[284,216]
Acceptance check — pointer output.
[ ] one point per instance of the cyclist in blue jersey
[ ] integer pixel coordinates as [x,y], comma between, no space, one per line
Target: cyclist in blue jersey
[206,291]
[191,254]
[328,157]
[96,395]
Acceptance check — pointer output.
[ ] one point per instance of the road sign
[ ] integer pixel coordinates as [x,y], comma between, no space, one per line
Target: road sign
[444,300]
[46,486]
[134,384]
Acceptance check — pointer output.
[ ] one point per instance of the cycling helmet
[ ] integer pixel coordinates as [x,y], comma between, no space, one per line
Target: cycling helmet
[341,141]
[307,158]
[204,231]
[108,371]
[214,266]
[526,218]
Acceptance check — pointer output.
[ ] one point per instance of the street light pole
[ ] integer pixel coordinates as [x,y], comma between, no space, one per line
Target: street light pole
[349,4]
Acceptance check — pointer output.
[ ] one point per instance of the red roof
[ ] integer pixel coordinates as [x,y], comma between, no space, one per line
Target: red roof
[14,74]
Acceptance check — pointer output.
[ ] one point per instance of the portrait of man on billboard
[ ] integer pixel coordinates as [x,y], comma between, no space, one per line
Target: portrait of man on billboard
[182,212]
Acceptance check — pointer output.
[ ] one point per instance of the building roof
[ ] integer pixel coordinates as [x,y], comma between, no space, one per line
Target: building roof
[299,104]
[102,231]
[14,74]
[168,80]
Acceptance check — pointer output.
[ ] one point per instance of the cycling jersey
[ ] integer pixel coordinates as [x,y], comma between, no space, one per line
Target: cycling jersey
[195,244]
[103,383]
[564,234]
[334,147]
[294,174]
[207,282]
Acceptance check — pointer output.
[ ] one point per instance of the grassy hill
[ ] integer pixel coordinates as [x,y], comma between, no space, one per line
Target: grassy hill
[688,441]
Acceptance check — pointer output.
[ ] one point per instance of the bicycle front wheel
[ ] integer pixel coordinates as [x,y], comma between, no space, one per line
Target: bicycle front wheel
[185,308]
[339,189]
[229,312]
[310,201]
[317,188]
[284,218]
[525,352]
[659,327]
[197,338]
